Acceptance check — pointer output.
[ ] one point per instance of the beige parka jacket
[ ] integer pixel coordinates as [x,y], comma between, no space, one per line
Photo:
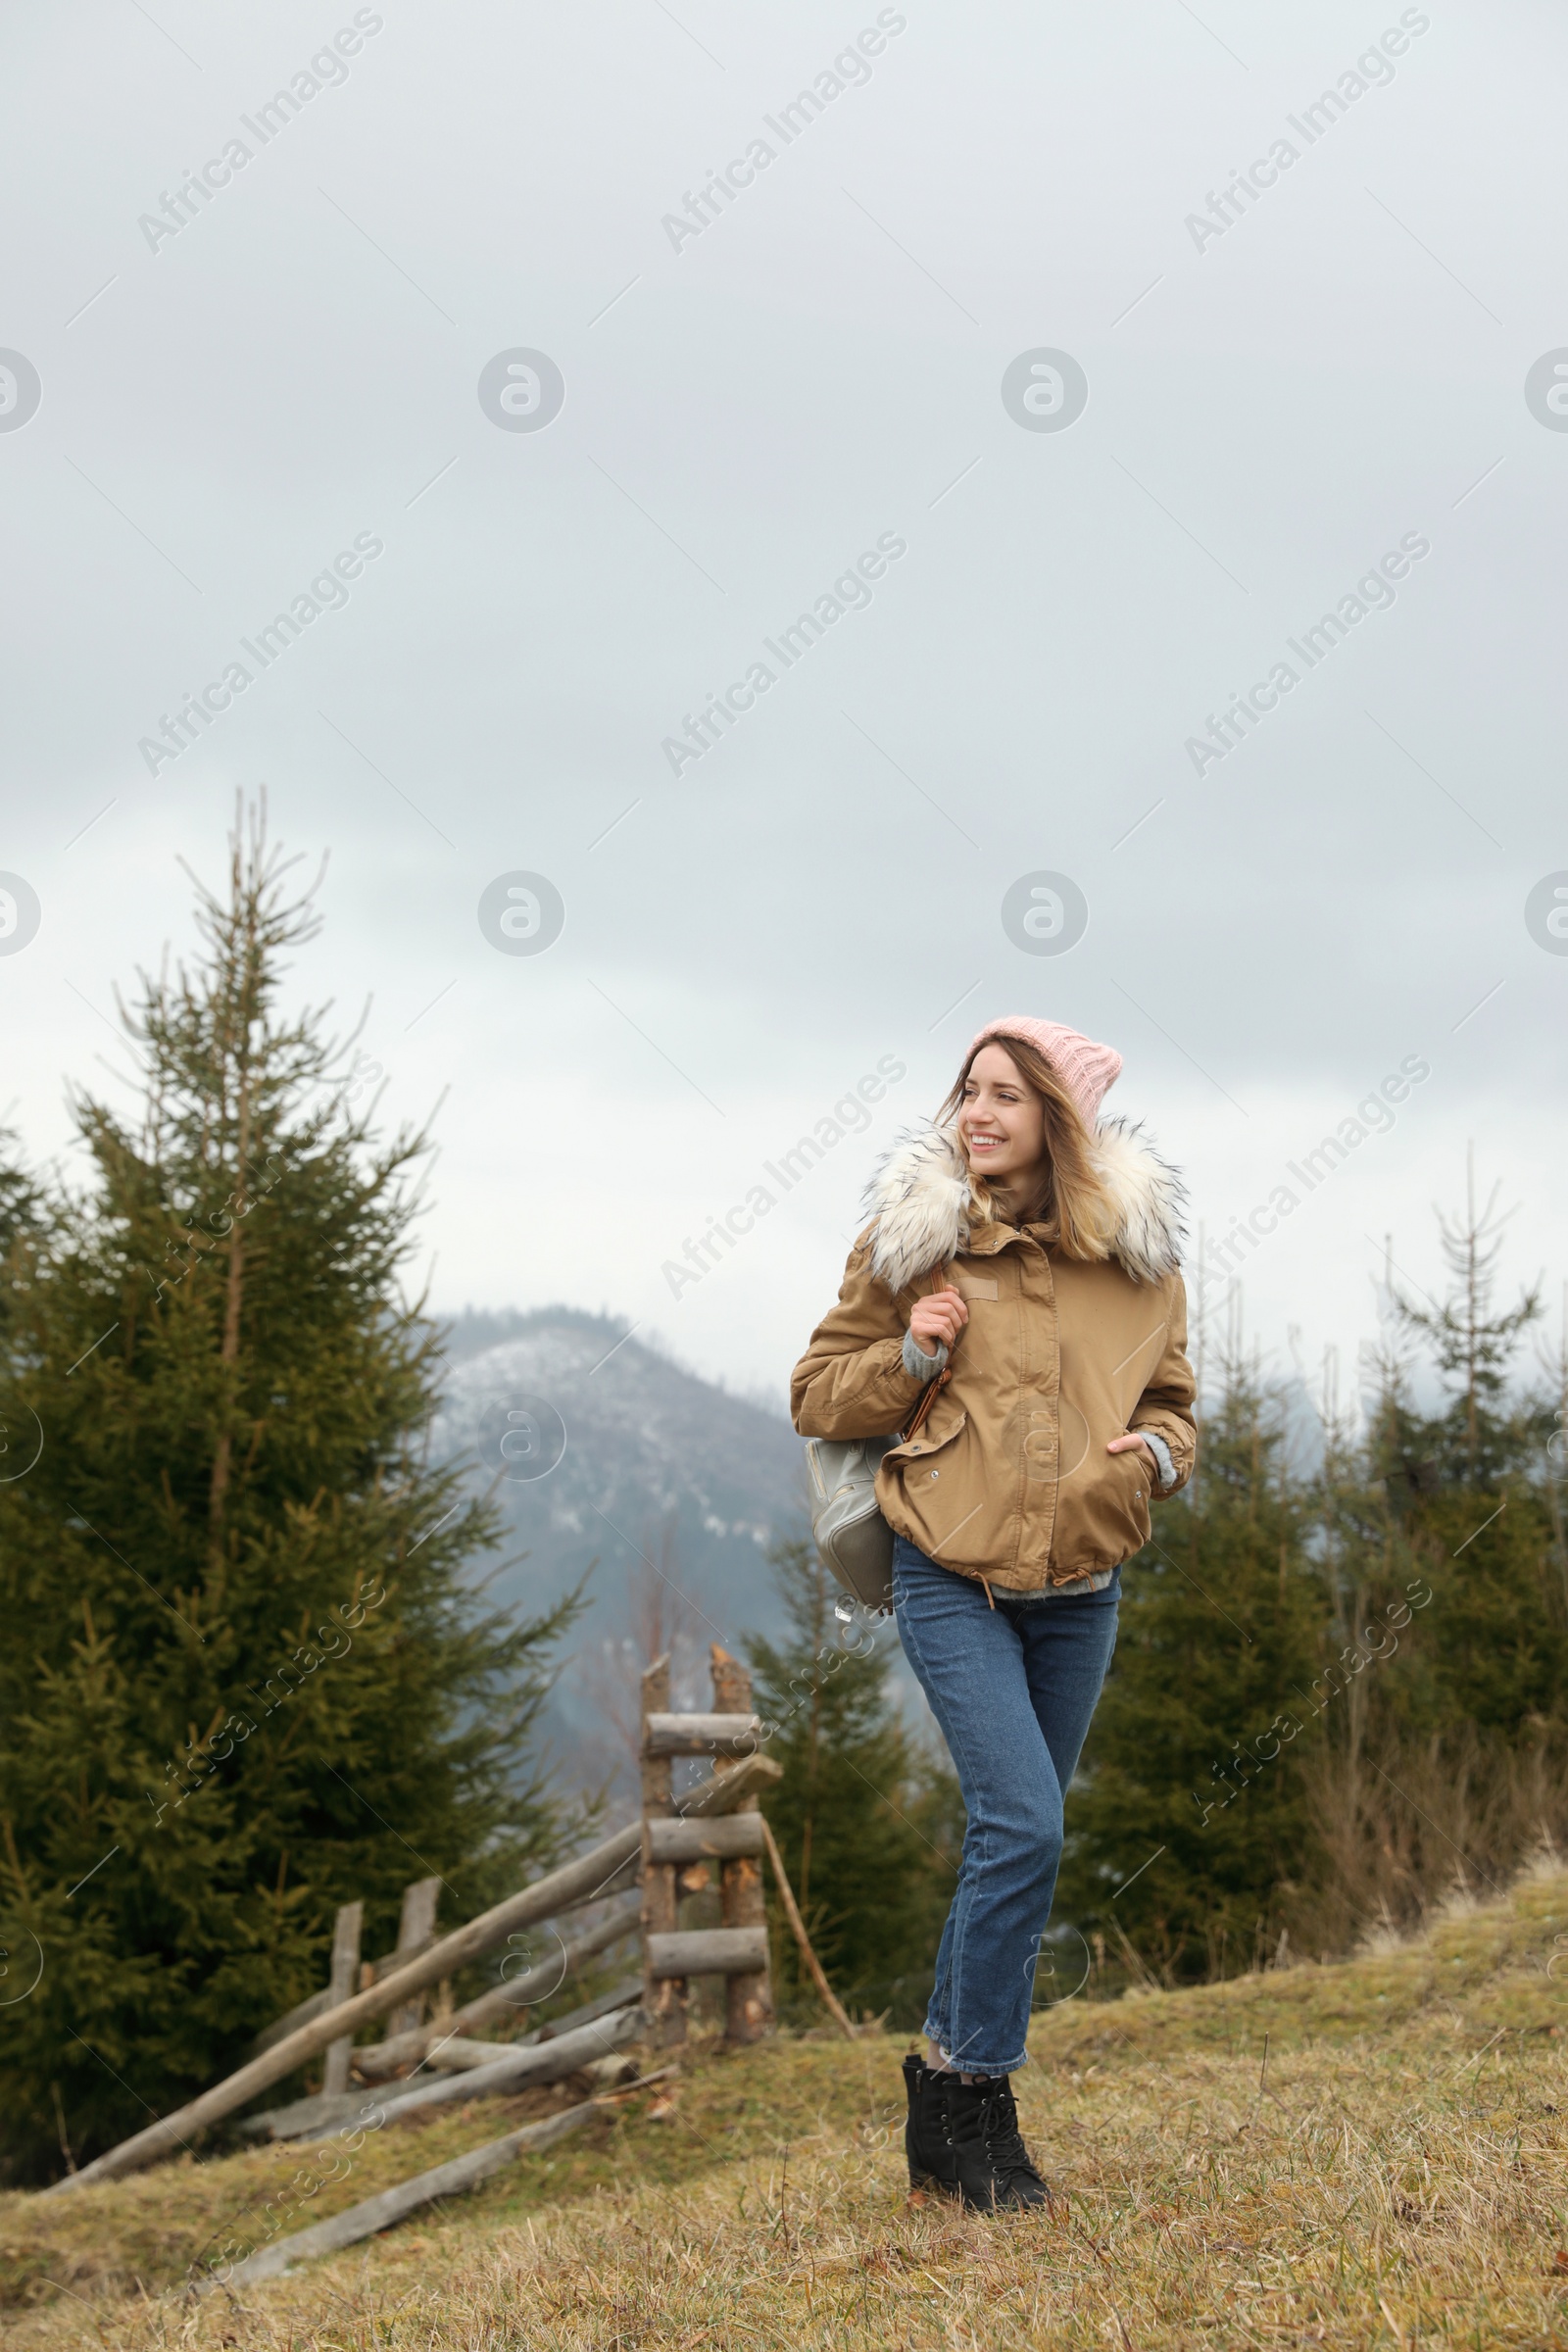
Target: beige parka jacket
[1010,1479]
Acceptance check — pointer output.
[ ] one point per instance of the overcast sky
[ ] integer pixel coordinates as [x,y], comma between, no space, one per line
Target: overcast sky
[1285,387]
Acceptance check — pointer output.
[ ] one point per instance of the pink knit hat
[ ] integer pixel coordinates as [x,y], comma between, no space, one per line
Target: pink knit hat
[1087,1070]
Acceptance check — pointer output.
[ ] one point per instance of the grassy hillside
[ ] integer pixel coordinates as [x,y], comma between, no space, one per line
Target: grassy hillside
[1370,2154]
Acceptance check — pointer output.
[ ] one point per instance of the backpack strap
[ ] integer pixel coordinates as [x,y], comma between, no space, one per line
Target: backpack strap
[933,1387]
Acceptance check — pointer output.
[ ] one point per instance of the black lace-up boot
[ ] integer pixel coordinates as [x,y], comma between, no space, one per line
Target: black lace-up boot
[993,2172]
[932,2164]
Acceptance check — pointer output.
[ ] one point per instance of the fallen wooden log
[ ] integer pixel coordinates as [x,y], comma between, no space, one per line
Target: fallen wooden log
[324,2111]
[542,1900]
[574,1883]
[457,2052]
[378,2059]
[520,2070]
[515,2069]
[314,2117]
[619,1997]
[505,2072]
[380,2212]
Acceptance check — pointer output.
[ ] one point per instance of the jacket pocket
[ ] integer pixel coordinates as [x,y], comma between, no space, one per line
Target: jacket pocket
[912,1456]
[933,1492]
[1136,1477]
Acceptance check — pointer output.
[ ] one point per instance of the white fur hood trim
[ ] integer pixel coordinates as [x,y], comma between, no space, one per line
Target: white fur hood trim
[920,1203]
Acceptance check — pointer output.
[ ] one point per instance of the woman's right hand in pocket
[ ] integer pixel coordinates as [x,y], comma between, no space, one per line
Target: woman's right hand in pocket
[938,1320]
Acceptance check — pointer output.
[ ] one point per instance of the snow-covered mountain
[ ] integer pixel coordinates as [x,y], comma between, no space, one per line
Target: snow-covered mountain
[605,1455]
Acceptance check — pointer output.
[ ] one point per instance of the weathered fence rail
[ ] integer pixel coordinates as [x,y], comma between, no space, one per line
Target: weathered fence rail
[733,1735]
[705,1840]
[575,1881]
[590,1878]
[377,2059]
[737,1950]
[505,2070]
[707,1951]
[372,2214]
[673,1846]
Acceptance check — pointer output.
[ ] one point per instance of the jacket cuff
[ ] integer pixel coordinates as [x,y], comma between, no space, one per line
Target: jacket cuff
[920,1366]
[1163,1457]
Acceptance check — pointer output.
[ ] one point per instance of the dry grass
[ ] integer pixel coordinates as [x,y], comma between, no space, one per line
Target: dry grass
[1396,2177]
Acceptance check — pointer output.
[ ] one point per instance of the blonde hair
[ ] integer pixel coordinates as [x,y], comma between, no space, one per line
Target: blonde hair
[1070,1198]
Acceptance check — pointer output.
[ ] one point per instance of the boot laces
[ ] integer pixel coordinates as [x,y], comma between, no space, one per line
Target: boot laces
[1000,2136]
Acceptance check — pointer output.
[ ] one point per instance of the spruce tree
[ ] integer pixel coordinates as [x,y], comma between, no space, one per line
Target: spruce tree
[1188,1813]
[1472,1485]
[868,1822]
[243,1679]
[1456,1761]
[1393,1624]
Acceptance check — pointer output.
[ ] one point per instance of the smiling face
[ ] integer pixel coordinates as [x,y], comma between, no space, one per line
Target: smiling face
[1001,1121]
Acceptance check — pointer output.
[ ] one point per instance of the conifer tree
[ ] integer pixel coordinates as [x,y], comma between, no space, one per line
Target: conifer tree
[1374,1675]
[1457,1759]
[1483,1434]
[868,1823]
[1395,1620]
[243,1679]
[1189,1814]
[1471,1484]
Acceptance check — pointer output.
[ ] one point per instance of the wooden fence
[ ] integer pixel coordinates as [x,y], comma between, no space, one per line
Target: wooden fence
[637,1876]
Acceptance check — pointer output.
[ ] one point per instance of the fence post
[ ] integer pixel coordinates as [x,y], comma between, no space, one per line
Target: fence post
[748,1999]
[341,1984]
[663,1997]
[416,1930]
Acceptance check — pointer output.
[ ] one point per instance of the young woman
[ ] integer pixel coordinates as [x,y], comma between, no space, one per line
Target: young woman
[1023,1253]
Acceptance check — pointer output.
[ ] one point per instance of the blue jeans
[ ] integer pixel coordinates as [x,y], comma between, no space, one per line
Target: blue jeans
[1013,1688]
